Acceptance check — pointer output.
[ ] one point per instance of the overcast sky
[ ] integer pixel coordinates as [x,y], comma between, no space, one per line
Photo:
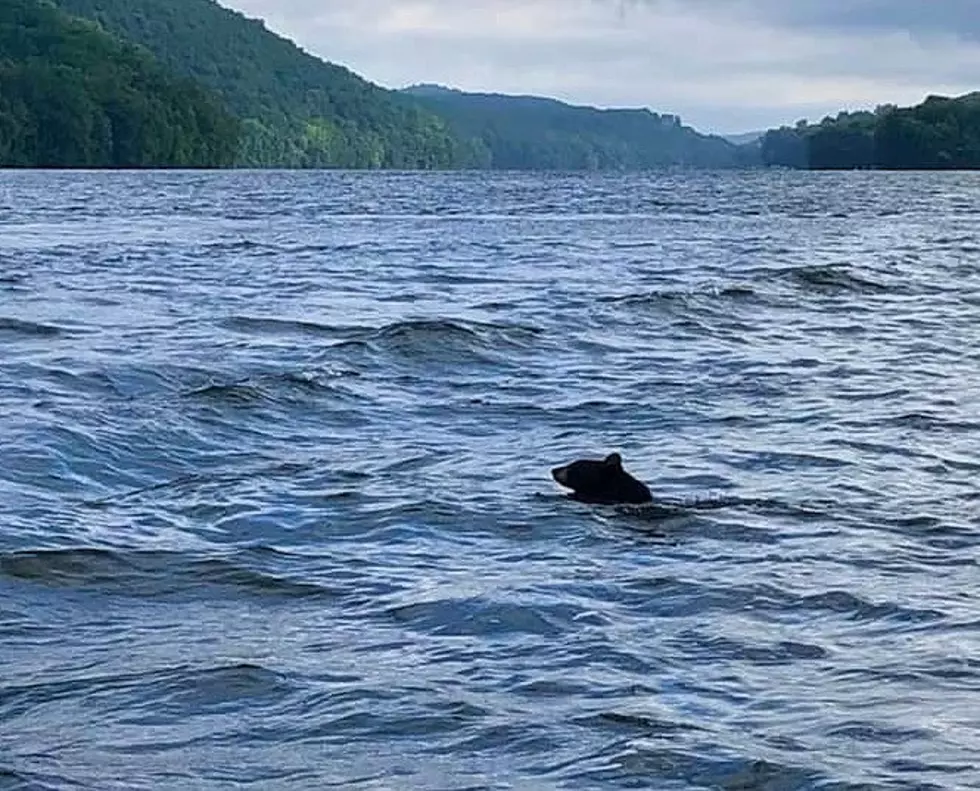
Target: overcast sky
[722,65]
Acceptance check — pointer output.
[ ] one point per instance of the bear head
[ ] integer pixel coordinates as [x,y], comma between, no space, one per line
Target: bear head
[603,482]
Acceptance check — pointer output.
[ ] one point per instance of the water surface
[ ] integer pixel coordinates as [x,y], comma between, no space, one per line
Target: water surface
[276,506]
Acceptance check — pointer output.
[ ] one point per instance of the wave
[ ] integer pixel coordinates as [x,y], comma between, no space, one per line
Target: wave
[663,760]
[451,339]
[435,330]
[699,646]
[636,721]
[480,616]
[686,297]
[704,502]
[30,329]
[159,692]
[860,609]
[440,329]
[140,573]
[832,278]
[272,326]
[275,388]
[674,597]
[12,779]
[14,279]
[190,486]
[239,246]
[785,461]
[235,392]
[927,421]
[418,338]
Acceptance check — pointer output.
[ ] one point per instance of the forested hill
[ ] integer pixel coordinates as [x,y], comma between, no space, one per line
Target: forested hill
[73,93]
[297,110]
[74,96]
[526,132]
[939,134]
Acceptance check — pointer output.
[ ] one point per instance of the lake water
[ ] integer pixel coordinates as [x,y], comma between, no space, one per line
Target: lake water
[276,507]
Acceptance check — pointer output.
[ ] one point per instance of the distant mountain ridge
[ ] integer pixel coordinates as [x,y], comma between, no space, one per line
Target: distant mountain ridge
[531,133]
[429,90]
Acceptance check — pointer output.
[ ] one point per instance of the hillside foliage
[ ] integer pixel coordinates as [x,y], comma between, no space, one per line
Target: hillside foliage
[532,133]
[939,134]
[74,96]
[297,110]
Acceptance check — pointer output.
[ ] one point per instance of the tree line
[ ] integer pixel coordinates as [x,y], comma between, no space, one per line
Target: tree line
[940,134]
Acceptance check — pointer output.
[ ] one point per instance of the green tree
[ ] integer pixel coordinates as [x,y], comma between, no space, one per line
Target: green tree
[73,96]
[941,133]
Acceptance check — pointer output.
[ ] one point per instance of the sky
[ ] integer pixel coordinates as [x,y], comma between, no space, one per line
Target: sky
[724,66]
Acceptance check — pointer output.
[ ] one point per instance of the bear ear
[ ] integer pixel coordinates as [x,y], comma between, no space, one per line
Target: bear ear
[613,460]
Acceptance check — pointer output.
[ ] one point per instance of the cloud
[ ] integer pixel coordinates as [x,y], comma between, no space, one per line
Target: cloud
[721,64]
[919,18]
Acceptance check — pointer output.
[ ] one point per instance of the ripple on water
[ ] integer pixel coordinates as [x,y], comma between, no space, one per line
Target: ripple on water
[17,328]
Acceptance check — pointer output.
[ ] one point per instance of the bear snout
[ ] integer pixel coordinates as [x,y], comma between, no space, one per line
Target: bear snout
[560,474]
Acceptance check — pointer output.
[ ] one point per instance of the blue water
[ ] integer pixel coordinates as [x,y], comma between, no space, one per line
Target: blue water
[276,510]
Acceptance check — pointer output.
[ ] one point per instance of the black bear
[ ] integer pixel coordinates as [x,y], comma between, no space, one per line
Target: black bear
[604,482]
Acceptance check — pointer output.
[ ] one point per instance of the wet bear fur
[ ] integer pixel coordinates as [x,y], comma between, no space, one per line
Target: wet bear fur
[602,482]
